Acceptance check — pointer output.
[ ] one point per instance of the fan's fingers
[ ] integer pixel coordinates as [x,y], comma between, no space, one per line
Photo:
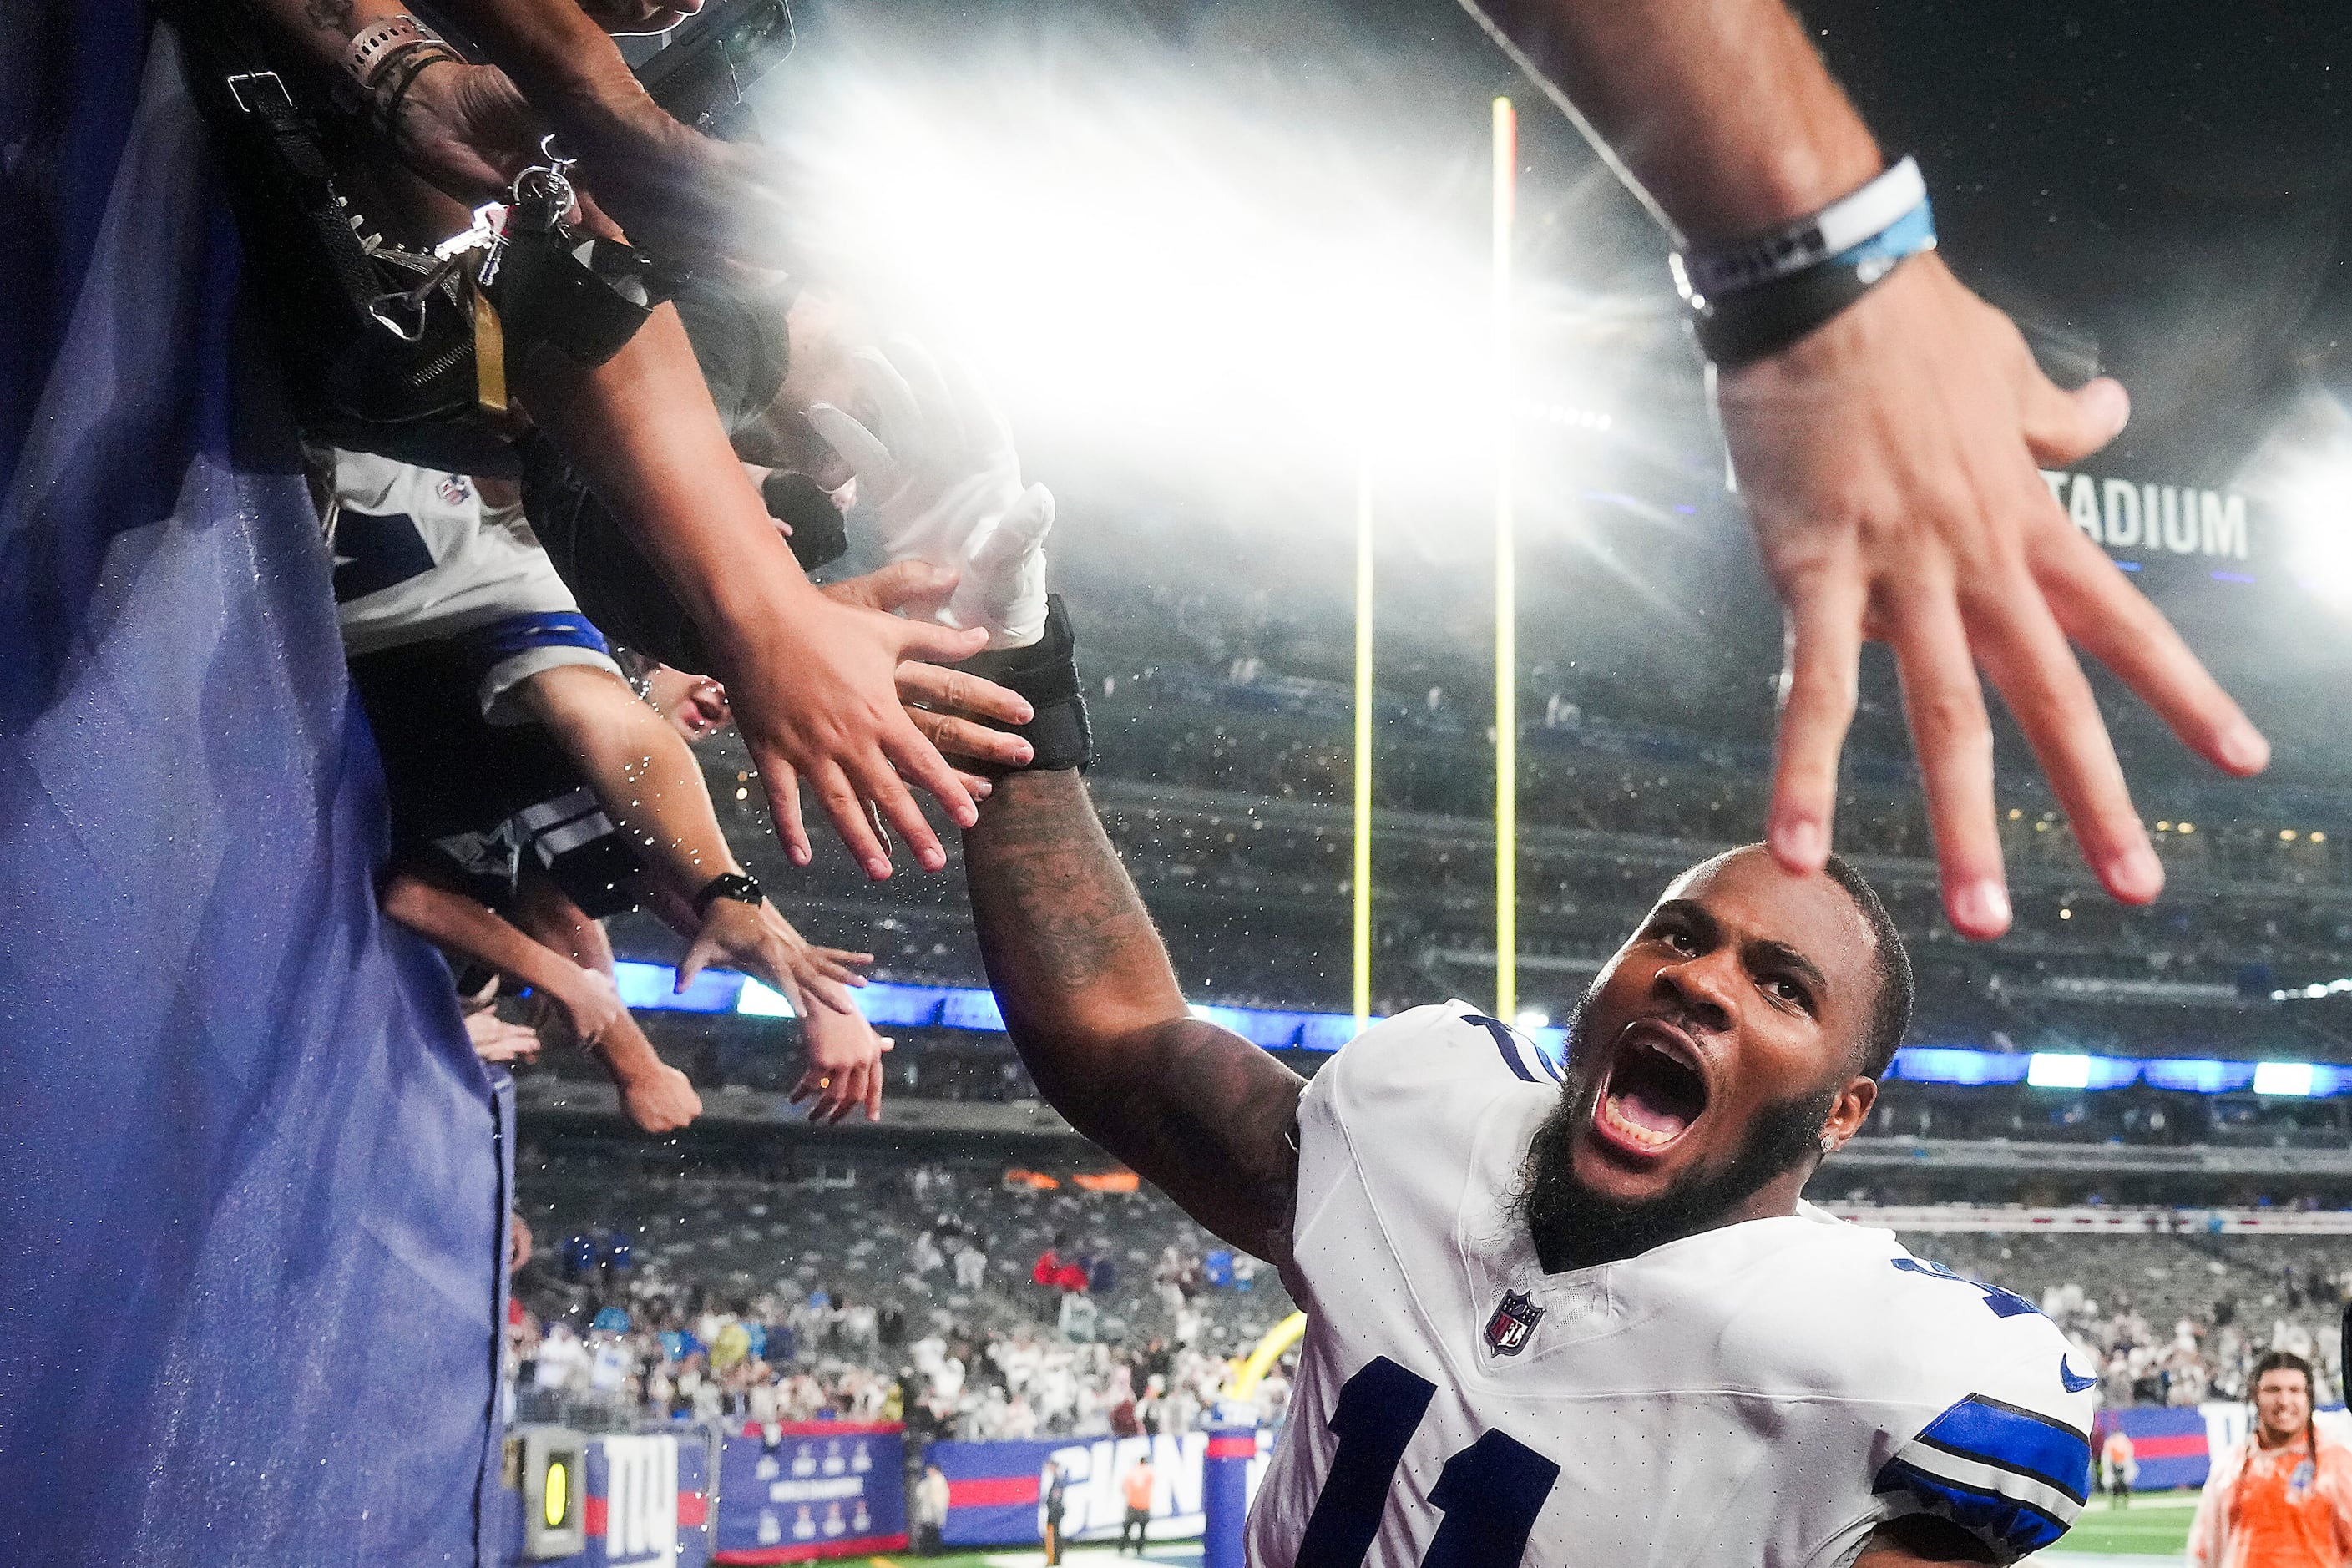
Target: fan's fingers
[1818,682]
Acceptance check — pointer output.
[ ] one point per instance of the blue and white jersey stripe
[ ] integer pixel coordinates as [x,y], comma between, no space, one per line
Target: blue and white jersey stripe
[1520,1054]
[2014,1479]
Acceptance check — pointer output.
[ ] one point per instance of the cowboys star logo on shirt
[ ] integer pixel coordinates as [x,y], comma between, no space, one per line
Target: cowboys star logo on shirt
[1511,1323]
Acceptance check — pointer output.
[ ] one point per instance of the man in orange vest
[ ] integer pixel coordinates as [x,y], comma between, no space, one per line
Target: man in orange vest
[2282,1498]
[2118,1467]
[1137,1485]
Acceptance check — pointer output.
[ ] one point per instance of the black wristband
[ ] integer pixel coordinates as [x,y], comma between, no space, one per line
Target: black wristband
[735,885]
[1046,673]
[1745,327]
[390,89]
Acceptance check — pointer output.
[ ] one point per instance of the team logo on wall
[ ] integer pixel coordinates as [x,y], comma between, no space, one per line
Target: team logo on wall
[1513,1322]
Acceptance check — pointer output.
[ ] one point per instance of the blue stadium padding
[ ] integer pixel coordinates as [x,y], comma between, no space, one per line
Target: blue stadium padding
[2169,1443]
[697,1525]
[826,1488]
[1226,1493]
[249,1192]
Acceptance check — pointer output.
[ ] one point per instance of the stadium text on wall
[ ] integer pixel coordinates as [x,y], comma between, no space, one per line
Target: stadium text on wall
[2153,520]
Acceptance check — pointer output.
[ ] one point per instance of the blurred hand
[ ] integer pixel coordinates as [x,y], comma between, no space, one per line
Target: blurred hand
[673,191]
[944,484]
[517,1242]
[1888,463]
[496,1040]
[591,1003]
[762,943]
[844,1068]
[659,1099]
[624,16]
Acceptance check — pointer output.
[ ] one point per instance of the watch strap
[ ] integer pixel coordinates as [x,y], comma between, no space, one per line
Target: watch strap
[735,885]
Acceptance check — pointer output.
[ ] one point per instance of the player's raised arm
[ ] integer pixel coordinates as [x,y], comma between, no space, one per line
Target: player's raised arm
[1093,1010]
[1885,425]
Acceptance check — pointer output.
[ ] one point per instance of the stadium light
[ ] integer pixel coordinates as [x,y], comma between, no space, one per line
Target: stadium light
[1133,255]
[2284,1078]
[1506,591]
[2302,476]
[2058,1070]
[757,1001]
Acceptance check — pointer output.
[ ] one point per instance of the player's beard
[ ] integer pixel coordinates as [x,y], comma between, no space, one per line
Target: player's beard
[1575,1227]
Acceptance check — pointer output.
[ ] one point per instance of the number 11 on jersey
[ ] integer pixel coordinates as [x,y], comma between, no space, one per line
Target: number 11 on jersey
[1490,1491]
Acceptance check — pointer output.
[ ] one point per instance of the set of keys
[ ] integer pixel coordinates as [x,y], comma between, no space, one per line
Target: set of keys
[543,195]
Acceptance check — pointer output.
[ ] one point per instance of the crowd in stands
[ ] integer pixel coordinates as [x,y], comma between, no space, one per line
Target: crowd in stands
[977,1302]
[2170,1320]
[1014,1305]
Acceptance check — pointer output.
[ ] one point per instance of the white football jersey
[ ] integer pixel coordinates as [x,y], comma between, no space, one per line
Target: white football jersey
[1765,1393]
[419,558]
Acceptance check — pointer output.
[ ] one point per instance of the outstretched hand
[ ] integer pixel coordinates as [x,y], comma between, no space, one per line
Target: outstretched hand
[815,698]
[944,703]
[762,943]
[497,1040]
[1888,464]
[845,1068]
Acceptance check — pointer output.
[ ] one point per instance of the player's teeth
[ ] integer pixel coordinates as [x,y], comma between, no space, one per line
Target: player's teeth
[1631,1129]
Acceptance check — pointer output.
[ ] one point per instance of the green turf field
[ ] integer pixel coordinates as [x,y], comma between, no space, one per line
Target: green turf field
[2156,1525]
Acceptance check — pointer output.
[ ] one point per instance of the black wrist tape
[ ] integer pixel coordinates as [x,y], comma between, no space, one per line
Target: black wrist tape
[584,295]
[1763,321]
[1046,673]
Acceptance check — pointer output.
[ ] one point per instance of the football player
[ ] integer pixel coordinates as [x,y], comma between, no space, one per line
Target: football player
[1571,1313]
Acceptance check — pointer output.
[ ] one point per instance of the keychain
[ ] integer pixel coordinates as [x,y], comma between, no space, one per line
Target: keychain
[548,283]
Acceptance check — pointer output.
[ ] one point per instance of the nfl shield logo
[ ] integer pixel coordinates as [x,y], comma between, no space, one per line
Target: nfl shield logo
[1513,1322]
[455,491]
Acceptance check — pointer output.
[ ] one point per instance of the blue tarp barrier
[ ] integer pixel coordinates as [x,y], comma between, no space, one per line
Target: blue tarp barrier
[250,1207]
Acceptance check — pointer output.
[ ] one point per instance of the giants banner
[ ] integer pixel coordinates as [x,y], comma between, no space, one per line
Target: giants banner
[996,1496]
[648,1505]
[819,1489]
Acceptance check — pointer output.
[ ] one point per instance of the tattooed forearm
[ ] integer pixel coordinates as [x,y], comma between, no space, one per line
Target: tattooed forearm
[328,15]
[1043,873]
[1095,1011]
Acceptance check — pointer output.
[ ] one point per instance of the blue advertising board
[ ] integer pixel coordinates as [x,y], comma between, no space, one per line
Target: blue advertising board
[806,1490]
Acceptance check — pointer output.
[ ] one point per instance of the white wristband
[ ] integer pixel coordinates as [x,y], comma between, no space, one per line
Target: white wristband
[1763,259]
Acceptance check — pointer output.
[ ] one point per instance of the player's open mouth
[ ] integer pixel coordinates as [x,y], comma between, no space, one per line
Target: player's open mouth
[1655,1092]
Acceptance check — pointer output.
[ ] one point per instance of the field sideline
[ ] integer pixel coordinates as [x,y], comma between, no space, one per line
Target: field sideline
[2156,1526]
[2153,1530]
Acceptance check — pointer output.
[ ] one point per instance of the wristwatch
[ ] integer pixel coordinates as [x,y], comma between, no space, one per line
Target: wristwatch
[735,885]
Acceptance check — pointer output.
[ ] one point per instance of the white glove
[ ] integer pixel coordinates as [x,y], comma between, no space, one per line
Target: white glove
[944,484]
